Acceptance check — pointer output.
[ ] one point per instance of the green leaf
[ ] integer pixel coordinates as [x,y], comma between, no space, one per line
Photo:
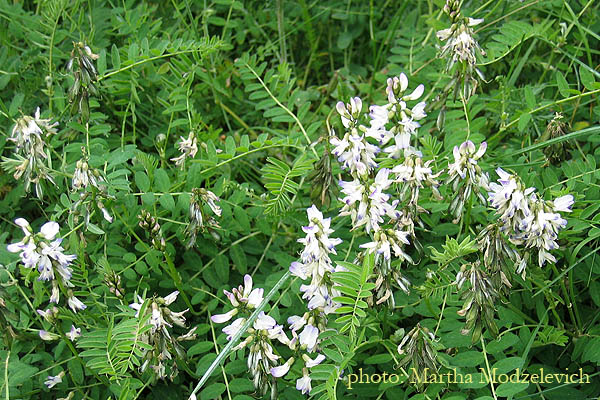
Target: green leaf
[587,78]
[116,58]
[162,182]
[239,258]
[508,364]
[529,97]
[95,229]
[142,181]
[344,40]
[213,391]
[468,359]
[563,85]
[200,348]
[510,389]
[166,200]
[523,121]
[222,267]
[230,146]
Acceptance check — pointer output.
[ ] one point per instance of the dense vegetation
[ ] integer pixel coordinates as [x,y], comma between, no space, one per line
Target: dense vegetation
[399,188]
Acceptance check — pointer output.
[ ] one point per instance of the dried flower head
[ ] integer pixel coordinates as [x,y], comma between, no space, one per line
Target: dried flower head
[152,227]
[81,66]
[419,348]
[480,300]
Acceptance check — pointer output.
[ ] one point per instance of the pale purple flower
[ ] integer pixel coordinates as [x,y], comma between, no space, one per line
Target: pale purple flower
[52,381]
[74,333]
[308,337]
[75,304]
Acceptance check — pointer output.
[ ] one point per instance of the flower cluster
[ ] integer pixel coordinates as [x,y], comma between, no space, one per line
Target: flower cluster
[527,219]
[412,175]
[367,203]
[162,345]
[188,148]
[43,251]
[85,177]
[262,358]
[353,151]
[32,159]
[461,49]
[393,126]
[199,219]
[265,332]
[396,121]
[466,176]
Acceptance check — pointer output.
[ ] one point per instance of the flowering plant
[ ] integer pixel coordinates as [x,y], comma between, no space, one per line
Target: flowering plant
[288,200]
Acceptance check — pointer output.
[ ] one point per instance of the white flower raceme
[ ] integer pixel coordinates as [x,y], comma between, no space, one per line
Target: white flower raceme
[188,148]
[466,176]
[85,176]
[32,158]
[44,252]
[460,45]
[317,247]
[540,229]
[528,219]
[367,203]
[397,121]
[465,163]
[354,153]
[161,316]
[199,220]
[243,299]
[159,337]
[350,112]
[384,241]
[460,50]
[510,199]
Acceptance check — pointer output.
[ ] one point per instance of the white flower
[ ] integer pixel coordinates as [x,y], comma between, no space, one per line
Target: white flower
[281,370]
[232,329]
[75,304]
[220,318]
[188,147]
[303,384]
[308,337]
[386,241]
[74,333]
[367,204]
[52,381]
[296,322]
[354,153]
[349,112]
[48,336]
[264,322]
[564,203]
[171,298]
[310,362]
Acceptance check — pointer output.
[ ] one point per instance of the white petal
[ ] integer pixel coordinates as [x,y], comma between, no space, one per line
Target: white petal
[49,230]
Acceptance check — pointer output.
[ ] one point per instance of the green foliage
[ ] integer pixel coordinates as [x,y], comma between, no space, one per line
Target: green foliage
[115,350]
